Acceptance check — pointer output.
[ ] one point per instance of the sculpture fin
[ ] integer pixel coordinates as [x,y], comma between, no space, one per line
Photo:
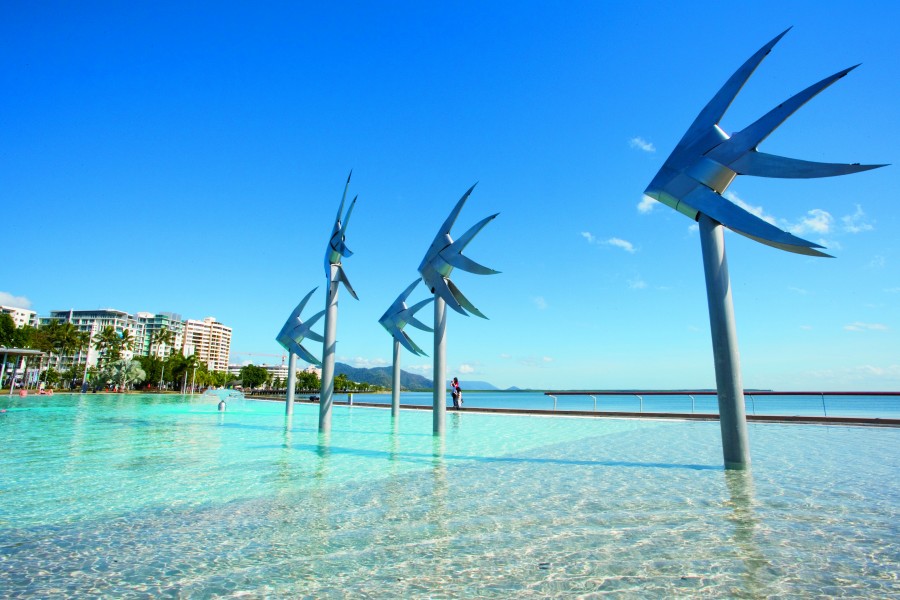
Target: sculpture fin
[753,135]
[713,112]
[463,300]
[306,355]
[467,264]
[760,164]
[442,288]
[451,218]
[411,345]
[342,277]
[739,220]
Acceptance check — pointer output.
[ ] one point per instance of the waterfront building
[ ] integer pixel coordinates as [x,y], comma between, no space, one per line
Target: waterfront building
[209,340]
[93,321]
[156,322]
[20,316]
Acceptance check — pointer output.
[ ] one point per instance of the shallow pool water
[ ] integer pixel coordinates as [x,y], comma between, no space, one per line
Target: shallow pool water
[149,496]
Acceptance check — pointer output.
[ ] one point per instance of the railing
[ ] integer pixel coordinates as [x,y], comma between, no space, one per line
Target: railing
[757,402]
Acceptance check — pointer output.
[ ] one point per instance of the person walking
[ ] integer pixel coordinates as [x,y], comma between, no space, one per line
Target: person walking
[456,394]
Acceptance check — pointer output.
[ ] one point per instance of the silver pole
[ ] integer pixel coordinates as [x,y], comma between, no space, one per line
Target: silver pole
[291,384]
[395,382]
[440,365]
[732,416]
[326,396]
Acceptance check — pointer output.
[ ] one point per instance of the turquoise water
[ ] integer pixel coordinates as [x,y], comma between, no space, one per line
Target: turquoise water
[147,496]
[884,406]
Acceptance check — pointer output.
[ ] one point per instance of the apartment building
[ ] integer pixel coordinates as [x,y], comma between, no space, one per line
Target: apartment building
[209,340]
[20,316]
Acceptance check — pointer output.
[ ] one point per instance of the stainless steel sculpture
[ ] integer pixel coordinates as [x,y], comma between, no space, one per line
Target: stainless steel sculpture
[692,180]
[442,257]
[290,337]
[334,271]
[394,320]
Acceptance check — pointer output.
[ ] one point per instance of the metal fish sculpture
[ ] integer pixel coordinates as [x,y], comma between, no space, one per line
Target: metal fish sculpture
[445,254]
[336,246]
[295,331]
[706,161]
[399,315]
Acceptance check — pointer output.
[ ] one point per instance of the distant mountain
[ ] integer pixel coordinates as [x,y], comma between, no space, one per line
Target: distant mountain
[476,385]
[381,376]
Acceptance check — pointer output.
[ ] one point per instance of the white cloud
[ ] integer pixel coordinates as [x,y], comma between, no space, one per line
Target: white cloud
[859,326]
[466,369]
[885,376]
[547,359]
[797,290]
[877,262]
[613,241]
[637,284]
[535,362]
[641,144]
[424,369]
[505,356]
[754,210]
[816,221]
[620,243]
[7,299]
[367,363]
[806,327]
[856,222]
[540,302]
[646,204]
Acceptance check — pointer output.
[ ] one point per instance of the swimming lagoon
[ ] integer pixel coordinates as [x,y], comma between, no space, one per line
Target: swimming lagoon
[164,496]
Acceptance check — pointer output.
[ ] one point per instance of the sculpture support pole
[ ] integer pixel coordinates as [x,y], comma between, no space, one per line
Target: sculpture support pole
[440,365]
[326,395]
[732,417]
[291,384]
[395,383]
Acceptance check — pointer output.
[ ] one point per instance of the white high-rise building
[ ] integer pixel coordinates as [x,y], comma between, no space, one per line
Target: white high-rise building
[20,316]
[209,340]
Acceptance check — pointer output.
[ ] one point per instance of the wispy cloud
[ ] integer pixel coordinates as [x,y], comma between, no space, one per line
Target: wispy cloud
[816,221]
[857,222]
[885,376]
[505,356]
[636,284]
[466,369]
[424,369]
[540,302]
[640,143]
[620,243]
[613,241]
[535,362]
[860,326]
[7,299]
[367,363]
[646,204]
[877,262]
[797,290]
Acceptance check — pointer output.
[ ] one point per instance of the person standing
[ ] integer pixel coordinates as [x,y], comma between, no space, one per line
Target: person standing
[456,393]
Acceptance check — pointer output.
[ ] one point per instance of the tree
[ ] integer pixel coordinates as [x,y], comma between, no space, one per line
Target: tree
[161,338]
[8,334]
[308,381]
[107,343]
[341,382]
[125,372]
[252,376]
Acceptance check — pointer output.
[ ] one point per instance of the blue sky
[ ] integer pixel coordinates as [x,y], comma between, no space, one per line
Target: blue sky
[168,157]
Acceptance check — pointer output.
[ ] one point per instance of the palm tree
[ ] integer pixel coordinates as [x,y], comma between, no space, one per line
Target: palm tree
[128,371]
[190,363]
[161,338]
[108,344]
